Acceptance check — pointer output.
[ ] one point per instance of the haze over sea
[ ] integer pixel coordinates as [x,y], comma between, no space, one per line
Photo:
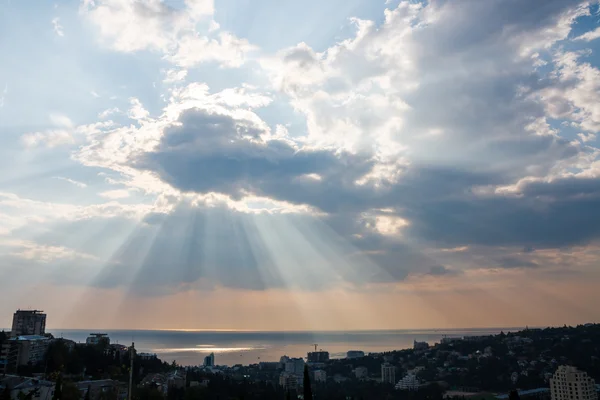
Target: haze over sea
[245,347]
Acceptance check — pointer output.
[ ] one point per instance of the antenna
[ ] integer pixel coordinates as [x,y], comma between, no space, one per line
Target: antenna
[315,344]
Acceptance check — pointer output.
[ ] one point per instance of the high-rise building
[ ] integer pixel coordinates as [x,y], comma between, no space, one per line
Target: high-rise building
[318,357]
[569,383]
[295,366]
[388,373]
[22,350]
[28,322]
[209,360]
[98,338]
[320,376]
[355,354]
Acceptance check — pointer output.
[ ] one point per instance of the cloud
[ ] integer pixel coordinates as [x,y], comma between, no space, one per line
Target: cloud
[74,182]
[589,36]
[115,194]
[57,27]
[173,75]
[108,112]
[51,138]
[3,96]
[60,120]
[32,251]
[130,26]
[434,143]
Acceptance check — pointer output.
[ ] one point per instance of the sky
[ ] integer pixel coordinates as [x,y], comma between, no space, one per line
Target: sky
[287,165]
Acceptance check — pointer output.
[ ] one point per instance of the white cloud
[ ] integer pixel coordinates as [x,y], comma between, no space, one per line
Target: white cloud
[74,182]
[115,194]
[227,50]
[213,26]
[590,137]
[61,121]
[174,75]
[3,96]
[575,94]
[94,94]
[137,110]
[57,27]
[50,138]
[108,112]
[589,36]
[32,251]
[130,25]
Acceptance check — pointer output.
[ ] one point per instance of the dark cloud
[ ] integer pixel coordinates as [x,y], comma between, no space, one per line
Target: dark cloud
[514,262]
[209,152]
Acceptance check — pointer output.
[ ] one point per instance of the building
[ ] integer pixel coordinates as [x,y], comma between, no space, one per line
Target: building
[28,322]
[288,380]
[22,350]
[295,366]
[355,354]
[268,366]
[420,345]
[409,382]
[320,376]
[569,383]
[98,338]
[42,390]
[388,373]
[147,356]
[361,372]
[318,357]
[209,360]
[107,387]
[450,340]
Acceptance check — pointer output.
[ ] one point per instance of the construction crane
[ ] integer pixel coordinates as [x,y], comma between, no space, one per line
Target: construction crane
[315,344]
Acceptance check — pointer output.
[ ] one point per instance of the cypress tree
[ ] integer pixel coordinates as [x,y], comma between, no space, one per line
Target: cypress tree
[58,388]
[307,389]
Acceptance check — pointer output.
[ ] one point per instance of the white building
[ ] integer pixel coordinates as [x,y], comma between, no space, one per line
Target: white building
[361,372]
[320,376]
[568,383]
[409,382]
[388,373]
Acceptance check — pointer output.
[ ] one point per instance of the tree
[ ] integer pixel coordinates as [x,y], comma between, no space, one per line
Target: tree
[69,391]
[288,396]
[6,393]
[514,395]
[58,388]
[307,388]
[88,394]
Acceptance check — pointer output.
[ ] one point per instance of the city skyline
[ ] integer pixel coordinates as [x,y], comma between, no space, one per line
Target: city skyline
[277,165]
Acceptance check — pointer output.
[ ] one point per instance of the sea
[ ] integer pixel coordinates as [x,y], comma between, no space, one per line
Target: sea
[244,347]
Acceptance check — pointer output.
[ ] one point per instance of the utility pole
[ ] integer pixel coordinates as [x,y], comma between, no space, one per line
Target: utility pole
[130,372]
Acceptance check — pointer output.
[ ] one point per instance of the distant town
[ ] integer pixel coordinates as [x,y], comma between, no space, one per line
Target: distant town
[561,363]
